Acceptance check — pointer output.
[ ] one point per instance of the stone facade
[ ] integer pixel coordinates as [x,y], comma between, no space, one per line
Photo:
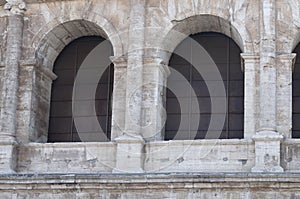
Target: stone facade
[137,163]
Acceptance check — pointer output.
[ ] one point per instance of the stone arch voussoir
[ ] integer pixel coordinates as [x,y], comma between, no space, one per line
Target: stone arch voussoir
[51,40]
[203,23]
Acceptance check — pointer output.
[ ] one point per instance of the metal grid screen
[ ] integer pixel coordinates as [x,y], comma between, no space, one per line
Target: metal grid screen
[296,96]
[226,55]
[61,124]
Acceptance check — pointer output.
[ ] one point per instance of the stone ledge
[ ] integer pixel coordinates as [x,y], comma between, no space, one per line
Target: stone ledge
[147,178]
[291,141]
[202,142]
[267,135]
[68,144]
[163,185]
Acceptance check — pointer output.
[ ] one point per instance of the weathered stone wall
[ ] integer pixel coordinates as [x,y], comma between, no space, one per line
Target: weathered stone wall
[173,156]
[143,35]
[66,158]
[160,186]
[200,156]
[107,18]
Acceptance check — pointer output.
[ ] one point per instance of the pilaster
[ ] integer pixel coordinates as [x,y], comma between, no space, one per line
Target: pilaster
[285,64]
[250,67]
[34,101]
[134,79]
[154,98]
[8,113]
[119,96]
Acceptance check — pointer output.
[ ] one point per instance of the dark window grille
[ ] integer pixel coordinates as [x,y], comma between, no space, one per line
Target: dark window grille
[226,54]
[296,96]
[61,123]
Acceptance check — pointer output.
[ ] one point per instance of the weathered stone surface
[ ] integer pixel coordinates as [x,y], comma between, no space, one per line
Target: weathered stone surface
[143,35]
[66,158]
[167,185]
[200,156]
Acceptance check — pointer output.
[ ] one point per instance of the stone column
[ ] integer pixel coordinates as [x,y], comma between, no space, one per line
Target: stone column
[285,64]
[8,115]
[130,144]
[267,140]
[251,82]
[135,69]
[154,98]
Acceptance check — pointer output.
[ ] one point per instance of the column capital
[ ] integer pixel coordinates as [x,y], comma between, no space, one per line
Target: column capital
[29,62]
[119,61]
[37,65]
[15,6]
[250,58]
[157,61]
[153,60]
[288,58]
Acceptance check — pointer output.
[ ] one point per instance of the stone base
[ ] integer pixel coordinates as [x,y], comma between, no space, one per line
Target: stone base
[8,157]
[130,154]
[267,151]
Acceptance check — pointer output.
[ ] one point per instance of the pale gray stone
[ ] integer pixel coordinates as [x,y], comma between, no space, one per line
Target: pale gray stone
[143,34]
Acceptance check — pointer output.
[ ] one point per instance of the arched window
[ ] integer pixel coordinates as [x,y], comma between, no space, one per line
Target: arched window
[226,55]
[61,124]
[296,96]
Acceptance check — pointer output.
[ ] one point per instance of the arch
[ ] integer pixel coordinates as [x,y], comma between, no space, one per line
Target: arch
[290,39]
[201,23]
[198,83]
[50,42]
[53,37]
[85,117]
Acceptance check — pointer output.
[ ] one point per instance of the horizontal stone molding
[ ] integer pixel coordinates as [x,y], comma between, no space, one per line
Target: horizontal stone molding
[288,57]
[251,58]
[119,61]
[127,139]
[157,62]
[35,63]
[267,136]
[145,181]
